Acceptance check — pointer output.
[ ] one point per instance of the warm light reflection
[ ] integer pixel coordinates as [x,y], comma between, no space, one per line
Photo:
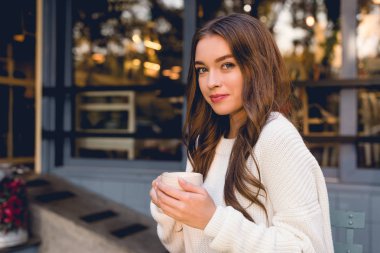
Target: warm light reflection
[136,62]
[310,21]
[166,72]
[175,4]
[376,1]
[151,73]
[136,38]
[98,58]
[153,45]
[174,76]
[176,69]
[173,73]
[368,35]
[263,19]
[19,37]
[247,8]
[152,66]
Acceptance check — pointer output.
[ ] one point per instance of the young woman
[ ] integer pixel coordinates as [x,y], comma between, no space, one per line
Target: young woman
[263,190]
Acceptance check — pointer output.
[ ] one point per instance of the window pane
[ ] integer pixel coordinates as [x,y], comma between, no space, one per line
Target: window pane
[317,115]
[4,109]
[128,56]
[129,148]
[368,38]
[126,42]
[17,82]
[307,32]
[369,125]
[308,36]
[208,10]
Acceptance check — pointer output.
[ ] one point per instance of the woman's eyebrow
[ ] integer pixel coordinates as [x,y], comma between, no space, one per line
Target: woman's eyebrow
[219,59]
[222,58]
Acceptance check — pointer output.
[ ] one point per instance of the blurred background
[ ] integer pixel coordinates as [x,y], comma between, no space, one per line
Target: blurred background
[92,92]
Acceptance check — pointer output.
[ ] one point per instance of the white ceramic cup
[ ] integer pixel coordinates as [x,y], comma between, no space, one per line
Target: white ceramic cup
[171,178]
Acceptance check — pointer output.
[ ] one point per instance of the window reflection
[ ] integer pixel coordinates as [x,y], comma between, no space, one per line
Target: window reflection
[136,45]
[308,36]
[307,32]
[368,38]
[317,115]
[369,125]
[120,42]
[207,10]
[17,82]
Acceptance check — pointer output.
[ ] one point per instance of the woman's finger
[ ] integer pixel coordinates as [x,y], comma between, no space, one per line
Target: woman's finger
[189,187]
[153,196]
[169,190]
[171,211]
[165,199]
[154,182]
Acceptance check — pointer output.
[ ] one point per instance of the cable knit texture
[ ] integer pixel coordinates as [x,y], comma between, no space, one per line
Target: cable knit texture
[297,202]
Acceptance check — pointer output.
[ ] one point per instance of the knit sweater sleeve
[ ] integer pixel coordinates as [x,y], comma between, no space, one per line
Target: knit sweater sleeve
[169,231]
[300,221]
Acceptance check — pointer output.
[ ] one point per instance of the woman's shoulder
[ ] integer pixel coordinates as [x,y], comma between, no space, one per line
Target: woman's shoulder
[281,143]
[278,131]
[277,123]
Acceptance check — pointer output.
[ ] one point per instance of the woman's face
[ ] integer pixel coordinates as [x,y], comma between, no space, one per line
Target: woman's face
[219,76]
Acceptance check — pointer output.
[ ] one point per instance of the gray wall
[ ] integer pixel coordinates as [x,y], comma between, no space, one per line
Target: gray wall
[131,188]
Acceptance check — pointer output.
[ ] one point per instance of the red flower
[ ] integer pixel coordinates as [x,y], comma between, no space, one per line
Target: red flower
[13,206]
[9,215]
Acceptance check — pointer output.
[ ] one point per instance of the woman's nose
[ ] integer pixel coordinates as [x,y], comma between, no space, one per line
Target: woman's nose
[213,79]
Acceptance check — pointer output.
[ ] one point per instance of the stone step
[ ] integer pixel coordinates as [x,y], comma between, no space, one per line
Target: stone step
[69,218]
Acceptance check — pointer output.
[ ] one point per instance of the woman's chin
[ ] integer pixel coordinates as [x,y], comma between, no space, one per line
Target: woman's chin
[221,113]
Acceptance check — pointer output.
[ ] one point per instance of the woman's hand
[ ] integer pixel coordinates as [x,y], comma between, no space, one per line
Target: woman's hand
[152,193]
[192,206]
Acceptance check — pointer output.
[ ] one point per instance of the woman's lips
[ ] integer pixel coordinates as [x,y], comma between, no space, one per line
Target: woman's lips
[218,97]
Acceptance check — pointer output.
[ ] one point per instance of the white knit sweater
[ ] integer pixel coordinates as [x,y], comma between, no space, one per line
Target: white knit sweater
[297,202]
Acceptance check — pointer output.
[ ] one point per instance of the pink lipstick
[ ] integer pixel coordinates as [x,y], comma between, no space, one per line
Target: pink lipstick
[218,97]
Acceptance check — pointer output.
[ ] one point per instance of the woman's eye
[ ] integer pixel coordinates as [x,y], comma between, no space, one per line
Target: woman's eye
[201,70]
[228,65]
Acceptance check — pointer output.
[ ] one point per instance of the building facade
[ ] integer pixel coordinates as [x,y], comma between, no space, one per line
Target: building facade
[105,93]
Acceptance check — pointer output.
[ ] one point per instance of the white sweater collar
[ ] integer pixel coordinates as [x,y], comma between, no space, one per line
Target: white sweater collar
[224,146]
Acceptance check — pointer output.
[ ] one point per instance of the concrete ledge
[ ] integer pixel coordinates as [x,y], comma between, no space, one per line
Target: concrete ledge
[57,207]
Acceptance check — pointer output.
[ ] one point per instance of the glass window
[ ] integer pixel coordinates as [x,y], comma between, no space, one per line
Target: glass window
[207,10]
[368,55]
[308,35]
[317,115]
[17,87]
[309,38]
[369,125]
[368,38]
[127,58]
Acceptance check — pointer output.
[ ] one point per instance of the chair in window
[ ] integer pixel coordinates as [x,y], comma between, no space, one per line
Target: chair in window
[349,221]
[107,145]
[370,119]
[315,116]
[329,124]
[114,103]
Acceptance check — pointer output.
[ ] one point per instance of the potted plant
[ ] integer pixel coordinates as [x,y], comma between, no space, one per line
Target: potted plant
[13,211]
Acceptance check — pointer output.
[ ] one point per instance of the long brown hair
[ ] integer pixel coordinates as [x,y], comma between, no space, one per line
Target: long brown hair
[266,89]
